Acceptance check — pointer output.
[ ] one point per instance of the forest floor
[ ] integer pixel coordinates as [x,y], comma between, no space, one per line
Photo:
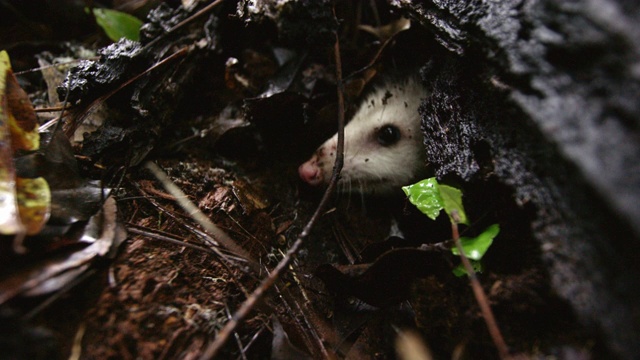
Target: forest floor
[171,286]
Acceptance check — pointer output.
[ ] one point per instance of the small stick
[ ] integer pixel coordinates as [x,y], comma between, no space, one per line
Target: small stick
[50,109]
[223,259]
[55,65]
[193,211]
[238,340]
[253,339]
[203,236]
[481,297]
[152,235]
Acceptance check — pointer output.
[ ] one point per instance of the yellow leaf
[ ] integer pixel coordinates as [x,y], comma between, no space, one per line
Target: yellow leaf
[10,223]
[34,203]
[23,123]
[24,203]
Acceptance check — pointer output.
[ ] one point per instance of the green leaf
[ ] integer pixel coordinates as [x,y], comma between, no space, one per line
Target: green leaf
[461,271]
[431,198]
[452,198]
[117,24]
[475,248]
[425,195]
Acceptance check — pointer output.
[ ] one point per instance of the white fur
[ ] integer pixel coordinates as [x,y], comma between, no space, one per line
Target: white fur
[370,167]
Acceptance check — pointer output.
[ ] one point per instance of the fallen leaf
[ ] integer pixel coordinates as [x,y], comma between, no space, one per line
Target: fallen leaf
[24,202]
[103,234]
[117,24]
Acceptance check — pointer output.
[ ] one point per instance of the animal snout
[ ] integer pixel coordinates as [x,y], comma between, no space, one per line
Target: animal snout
[310,172]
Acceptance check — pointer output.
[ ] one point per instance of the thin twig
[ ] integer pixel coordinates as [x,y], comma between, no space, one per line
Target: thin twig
[56,65]
[76,347]
[63,111]
[375,59]
[213,349]
[253,340]
[481,297]
[50,109]
[173,239]
[193,211]
[238,340]
[206,239]
[305,317]
[296,318]
[223,257]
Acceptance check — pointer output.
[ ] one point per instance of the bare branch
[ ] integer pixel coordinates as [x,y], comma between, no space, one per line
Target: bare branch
[481,297]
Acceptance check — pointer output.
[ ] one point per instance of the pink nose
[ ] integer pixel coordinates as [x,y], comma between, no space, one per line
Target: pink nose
[310,172]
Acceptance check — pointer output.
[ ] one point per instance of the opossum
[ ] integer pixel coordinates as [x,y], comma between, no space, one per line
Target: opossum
[383,143]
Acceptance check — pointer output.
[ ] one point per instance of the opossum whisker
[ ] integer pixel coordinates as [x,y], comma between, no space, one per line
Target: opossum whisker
[348,186]
[359,185]
[364,187]
[362,203]
[379,179]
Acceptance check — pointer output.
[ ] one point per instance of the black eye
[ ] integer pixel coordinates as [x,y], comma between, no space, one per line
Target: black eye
[388,135]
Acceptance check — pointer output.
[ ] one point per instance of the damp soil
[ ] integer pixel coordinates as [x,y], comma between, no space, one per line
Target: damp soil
[164,300]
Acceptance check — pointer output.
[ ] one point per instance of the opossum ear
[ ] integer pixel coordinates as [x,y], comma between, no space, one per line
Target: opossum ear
[388,135]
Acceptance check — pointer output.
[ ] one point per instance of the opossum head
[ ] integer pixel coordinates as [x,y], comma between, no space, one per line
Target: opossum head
[383,144]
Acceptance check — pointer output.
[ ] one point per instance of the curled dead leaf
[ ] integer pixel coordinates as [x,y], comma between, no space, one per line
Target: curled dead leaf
[102,234]
[20,115]
[24,202]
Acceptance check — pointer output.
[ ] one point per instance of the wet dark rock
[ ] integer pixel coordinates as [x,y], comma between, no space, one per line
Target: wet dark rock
[91,79]
[308,23]
[161,20]
[543,96]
